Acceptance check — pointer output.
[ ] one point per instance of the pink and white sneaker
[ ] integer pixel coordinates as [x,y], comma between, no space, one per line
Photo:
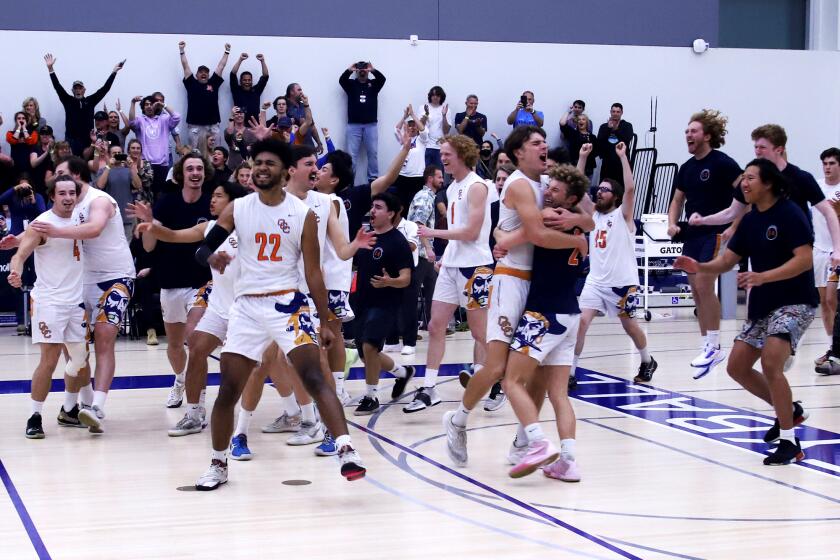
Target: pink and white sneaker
[563,469]
[539,453]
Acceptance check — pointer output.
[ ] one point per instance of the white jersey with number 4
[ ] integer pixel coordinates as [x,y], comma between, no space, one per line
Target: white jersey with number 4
[612,256]
[465,254]
[520,257]
[107,255]
[822,239]
[269,244]
[59,265]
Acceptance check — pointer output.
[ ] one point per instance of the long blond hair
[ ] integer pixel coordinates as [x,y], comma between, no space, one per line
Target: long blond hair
[33,120]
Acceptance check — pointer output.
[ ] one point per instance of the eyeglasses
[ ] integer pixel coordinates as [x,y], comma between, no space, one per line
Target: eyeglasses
[604,189]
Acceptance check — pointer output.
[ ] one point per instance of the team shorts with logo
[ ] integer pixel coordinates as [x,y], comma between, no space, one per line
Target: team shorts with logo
[823,273]
[467,287]
[106,302]
[339,302]
[257,321]
[547,338]
[213,323]
[788,322]
[612,302]
[202,296]
[508,293]
[703,248]
[56,324]
[175,303]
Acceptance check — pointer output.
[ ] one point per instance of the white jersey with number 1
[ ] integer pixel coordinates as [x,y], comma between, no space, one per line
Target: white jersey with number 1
[465,254]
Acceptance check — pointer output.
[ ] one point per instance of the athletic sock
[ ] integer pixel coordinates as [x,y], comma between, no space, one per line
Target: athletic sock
[193,410]
[431,378]
[86,394]
[521,439]
[289,405]
[398,371]
[339,380]
[202,397]
[574,364]
[713,338]
[567,448]
[70,400]
[534,432]
[99,399]
[180,378]
[219,456]
[307,412]
[243,422]
[461,416]
[788,435]
[644,354]
[37,406]
[341,441]
[477,368]
[370,390]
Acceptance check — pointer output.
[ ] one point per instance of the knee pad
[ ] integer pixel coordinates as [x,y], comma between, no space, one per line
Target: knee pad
[77,357]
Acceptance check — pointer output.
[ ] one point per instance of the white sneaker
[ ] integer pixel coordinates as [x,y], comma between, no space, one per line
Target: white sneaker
[283,423]
[176,395]
[496,399]
[712,358]
[456,440]
[407,351]
[708,355]
[515,454]
[392,348]
[310,432]
[187,426]
[92,417]
[344,397]
[214,477]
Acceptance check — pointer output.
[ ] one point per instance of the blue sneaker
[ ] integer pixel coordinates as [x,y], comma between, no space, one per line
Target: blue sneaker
[239,448]
[327,447]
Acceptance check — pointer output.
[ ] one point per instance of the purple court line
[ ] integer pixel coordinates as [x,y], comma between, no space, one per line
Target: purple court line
[498,493]
[31,531]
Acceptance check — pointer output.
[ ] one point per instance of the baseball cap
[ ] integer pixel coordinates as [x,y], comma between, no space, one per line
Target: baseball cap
[78,83]
[284,122]
[45,130]
[100,116]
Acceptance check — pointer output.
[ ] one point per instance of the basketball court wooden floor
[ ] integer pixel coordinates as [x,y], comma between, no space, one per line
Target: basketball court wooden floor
[670,470]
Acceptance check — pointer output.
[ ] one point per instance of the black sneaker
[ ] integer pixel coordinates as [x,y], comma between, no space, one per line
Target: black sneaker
[786,453]
[646,370]
[799,416]
[572,382]
[33,427]
[70,419]
[464,377]
[401,383]
[368,405]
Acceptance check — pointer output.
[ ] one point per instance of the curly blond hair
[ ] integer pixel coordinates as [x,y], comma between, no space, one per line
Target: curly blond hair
[714,124]
[577,184]
[465,147]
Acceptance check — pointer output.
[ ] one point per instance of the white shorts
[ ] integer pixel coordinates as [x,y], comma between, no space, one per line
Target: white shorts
[175,303]
[57,324]
[549,339]
[213,323]
[508,294]
[822,268]
[467,287]
[612,302]
[256,321]
[339,302]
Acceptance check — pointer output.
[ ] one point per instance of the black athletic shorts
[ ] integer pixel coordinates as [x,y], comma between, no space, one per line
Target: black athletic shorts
[373,326]
[702,248]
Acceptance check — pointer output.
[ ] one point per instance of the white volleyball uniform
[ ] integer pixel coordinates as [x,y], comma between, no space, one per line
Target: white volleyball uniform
[268,305]
[466,266]
[512,276]
[109,269]
[823,272]
[215,319]
[338,274]
[613,278]
[58,311]
[319,203]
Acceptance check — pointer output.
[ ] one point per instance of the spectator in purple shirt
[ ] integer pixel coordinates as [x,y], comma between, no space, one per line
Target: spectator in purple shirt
[153,128]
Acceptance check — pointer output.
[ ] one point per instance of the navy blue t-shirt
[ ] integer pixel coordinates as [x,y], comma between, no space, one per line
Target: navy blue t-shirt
[708,187]
[391,253]
[768,238]
[553,277]
[175,264]
[357,203]
[802,189]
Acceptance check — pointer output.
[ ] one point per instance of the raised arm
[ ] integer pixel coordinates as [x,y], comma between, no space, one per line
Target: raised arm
[381,184]
[49,59]
[234,80]
[185,64]
[628,202]
[263,65]
[220,67]
[99,94]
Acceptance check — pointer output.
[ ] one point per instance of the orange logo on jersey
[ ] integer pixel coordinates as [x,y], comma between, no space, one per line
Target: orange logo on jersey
[504,324]
[45,330]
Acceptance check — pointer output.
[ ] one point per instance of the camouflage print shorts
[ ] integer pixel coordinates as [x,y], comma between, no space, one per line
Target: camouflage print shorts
[789,322]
